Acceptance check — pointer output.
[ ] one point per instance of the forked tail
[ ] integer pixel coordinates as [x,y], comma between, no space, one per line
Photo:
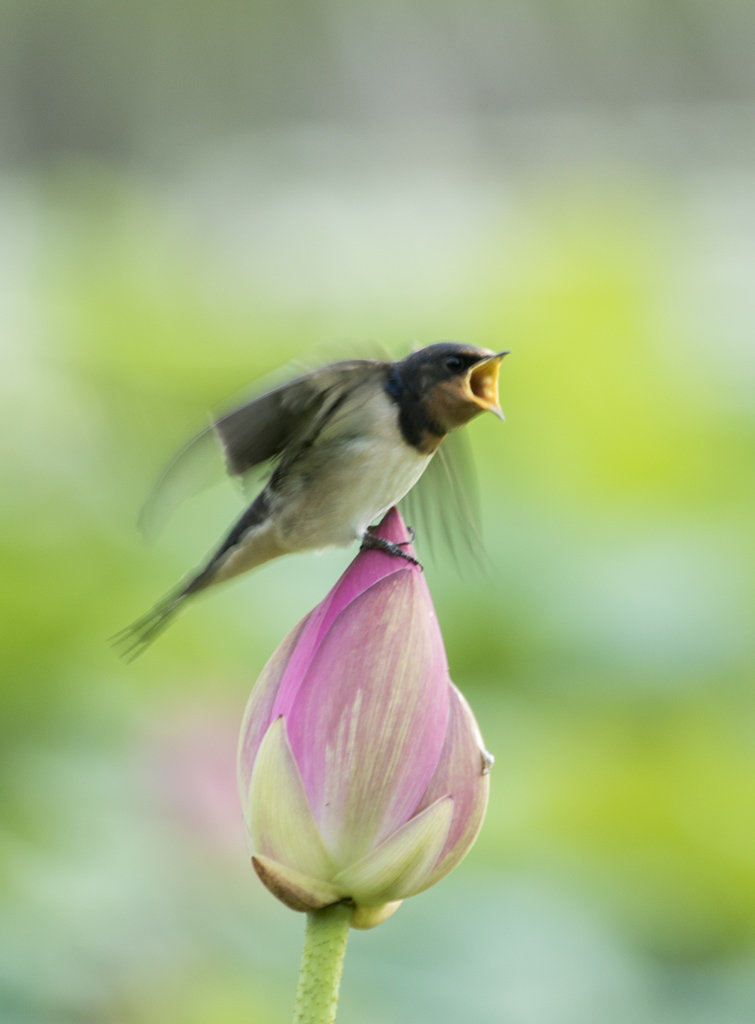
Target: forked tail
[136,638]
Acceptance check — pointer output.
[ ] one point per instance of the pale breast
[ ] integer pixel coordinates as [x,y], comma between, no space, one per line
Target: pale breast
[383,474]
[360,468]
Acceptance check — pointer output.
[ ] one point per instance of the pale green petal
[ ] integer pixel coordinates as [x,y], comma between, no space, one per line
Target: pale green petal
[280,821]
[258,713]
[371,916]
[297,891]
[399,865]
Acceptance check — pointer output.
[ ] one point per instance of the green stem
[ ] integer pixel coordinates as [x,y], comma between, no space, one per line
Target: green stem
[321,964]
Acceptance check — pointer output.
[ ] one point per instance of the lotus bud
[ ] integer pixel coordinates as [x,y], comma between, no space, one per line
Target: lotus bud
[362,773]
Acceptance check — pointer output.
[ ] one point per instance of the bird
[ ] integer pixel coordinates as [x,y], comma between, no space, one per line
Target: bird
[345,442]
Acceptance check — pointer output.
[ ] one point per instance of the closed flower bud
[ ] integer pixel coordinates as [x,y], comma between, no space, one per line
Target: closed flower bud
[361,768]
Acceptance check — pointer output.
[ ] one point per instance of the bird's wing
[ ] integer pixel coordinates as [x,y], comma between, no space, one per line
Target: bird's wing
[443,506]
[193,469]
[255,432]
[261,429]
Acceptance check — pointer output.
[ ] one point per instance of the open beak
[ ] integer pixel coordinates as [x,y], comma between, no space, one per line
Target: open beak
[483,382]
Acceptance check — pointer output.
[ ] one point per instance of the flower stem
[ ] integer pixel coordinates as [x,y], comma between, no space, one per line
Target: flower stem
[321,964]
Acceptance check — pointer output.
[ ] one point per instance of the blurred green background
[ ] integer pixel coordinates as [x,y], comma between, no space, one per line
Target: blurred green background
[193,194]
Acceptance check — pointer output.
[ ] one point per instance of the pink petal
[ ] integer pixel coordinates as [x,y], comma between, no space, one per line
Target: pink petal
[367,569]
[460,776]
[369,724]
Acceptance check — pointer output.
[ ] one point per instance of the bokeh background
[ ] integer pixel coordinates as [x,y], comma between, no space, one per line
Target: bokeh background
[193,194]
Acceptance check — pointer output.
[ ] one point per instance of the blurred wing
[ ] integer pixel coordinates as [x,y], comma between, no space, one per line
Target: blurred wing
[262,428]
[197,466]
[443,506]
[255,432]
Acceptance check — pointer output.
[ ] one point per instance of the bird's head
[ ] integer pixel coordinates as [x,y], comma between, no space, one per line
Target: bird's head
[454,382]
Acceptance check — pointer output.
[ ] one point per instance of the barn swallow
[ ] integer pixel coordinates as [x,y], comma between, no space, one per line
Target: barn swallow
[346,442]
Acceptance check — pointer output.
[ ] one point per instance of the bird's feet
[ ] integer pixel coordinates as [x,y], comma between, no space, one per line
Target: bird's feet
[372,542]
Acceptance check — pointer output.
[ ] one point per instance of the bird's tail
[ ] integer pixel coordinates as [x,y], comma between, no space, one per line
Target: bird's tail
[136,638]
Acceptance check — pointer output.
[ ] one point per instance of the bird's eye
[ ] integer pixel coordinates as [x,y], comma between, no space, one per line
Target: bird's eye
[454,363]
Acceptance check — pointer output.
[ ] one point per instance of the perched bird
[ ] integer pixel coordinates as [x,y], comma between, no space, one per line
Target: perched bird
[346,442]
